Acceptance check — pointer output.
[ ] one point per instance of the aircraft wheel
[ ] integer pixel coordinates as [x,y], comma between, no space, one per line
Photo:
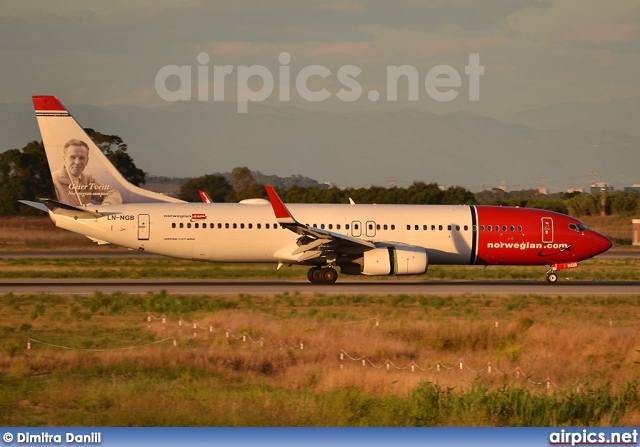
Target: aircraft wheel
[329,276]
[552,278]
[314,275]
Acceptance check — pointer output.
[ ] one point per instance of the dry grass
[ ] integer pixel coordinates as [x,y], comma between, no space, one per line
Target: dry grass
[568,339]
[29,233]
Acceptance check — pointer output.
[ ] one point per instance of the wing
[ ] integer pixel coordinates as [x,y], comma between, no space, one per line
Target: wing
[314,242]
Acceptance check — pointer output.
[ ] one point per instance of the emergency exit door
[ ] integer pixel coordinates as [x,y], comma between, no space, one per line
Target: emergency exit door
[547,230]
[143,227]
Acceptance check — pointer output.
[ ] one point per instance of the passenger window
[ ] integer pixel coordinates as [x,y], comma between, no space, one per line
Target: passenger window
[258,226]
[189,225]
[466,228]
[488,227]
[173,225]
[440,227]
[393,227]
[275,226]
[250,226]
[331,226]
[425,227]
[346,227]
[322,226]
[408,227]
[377,226]
[266,226]
[337,226]
[197,225]
[433,228]
[181,225]
[512,228]
[385,226]
[504,228]
[520,228]
[417,227]
[449,227]
[226,226]
[457,227]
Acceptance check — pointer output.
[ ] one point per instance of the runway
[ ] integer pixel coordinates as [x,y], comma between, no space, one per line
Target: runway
[274,287]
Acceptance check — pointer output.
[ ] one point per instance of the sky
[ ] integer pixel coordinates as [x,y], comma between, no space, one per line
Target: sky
[533,53]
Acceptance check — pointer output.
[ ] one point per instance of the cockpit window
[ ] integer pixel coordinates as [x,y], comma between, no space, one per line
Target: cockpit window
[578,227]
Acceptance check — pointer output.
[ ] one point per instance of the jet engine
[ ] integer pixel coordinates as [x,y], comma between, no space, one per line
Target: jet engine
[389,260]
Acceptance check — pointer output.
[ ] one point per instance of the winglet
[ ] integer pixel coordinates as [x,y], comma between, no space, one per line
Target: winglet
[279,209]
[204,196]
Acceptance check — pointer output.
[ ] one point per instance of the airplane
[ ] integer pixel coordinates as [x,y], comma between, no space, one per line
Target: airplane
[93,199]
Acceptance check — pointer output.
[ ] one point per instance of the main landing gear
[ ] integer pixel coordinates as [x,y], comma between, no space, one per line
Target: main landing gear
[317,275]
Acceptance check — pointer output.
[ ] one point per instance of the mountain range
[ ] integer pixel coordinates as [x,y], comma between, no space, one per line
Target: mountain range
[557,145]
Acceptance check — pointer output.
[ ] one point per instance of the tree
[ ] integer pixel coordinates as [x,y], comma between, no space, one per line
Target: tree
[458,196]
[24,174]
[218,188]
[243,184]
[116,151]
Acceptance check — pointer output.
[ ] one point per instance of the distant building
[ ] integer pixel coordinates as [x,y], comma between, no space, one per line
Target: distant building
[636,231]
[634,188]
[597,188]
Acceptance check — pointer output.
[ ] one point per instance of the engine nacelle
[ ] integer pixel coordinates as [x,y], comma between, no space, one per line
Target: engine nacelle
[390,260]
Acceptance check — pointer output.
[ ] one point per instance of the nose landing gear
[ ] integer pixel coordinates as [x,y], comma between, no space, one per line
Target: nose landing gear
[552,276]
[317,275]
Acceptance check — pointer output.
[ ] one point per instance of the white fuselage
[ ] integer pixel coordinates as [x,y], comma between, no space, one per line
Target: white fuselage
[248,232]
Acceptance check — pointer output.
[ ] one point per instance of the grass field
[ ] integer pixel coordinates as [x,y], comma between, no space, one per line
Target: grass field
[96,361]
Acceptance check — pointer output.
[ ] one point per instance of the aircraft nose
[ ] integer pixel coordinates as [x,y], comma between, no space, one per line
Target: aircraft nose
[600,243]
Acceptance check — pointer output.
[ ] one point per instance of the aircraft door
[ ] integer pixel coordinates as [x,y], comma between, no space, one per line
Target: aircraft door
[370,228]
[356,228]
[143,227]
[547,230]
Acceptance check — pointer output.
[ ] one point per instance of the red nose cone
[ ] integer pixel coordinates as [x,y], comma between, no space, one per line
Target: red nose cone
[600,243]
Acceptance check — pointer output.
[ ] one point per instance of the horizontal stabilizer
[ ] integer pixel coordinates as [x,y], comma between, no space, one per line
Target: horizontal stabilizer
[98,241]
[63,209]
[37,205]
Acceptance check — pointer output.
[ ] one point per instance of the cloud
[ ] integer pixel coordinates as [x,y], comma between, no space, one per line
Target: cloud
[593,23]
[533,50]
